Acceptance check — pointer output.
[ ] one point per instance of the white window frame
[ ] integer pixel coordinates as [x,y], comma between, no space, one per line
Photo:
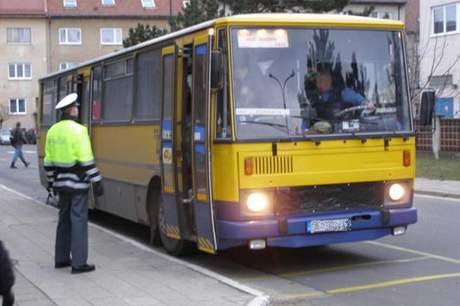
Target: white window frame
[444,23]
[112,3]
[67,36]
[70,3]
[17,106]
[15,77]
[148,6]
[114,32]
[19,43]
[67,65]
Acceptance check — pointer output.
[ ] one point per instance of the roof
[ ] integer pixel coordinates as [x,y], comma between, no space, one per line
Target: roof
[122,8]
[22,8]
[328,20]
[370,2]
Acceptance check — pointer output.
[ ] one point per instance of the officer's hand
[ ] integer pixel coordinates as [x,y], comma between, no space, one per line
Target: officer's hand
[98,189]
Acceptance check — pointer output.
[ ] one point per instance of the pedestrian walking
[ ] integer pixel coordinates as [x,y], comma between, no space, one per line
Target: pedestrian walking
[18,139]
[70,169]
[6,277]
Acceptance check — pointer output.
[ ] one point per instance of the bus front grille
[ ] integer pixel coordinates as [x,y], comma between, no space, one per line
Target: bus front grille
[326,198]
[273,165]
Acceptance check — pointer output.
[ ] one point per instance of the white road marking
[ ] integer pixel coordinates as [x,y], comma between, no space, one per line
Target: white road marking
[23,151]
[260,299]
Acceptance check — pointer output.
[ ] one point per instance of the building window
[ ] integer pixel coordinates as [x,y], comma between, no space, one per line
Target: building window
[18,35]
[382,15]
[148,3]
[70,3]
[111,36]
[445,18]
[17,106]
[19,71]
[108,2]
[185,3]
[64,66]
[69,36]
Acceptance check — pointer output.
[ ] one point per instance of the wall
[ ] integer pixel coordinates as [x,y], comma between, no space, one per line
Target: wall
[90,47]
[438,53]
[34,53]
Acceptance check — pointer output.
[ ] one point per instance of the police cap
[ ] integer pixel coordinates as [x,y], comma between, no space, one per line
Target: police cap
[67,101]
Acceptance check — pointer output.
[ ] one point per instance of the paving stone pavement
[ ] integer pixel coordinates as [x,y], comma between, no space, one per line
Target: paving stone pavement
[125,275]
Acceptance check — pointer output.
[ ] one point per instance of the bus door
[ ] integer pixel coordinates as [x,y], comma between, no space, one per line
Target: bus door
[168,159]
[81,86]
[201,170]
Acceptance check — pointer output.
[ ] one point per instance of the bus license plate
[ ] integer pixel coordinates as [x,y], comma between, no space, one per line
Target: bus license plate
[323,226]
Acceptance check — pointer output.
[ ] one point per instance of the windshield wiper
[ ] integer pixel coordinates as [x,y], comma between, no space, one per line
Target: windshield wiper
[272,124]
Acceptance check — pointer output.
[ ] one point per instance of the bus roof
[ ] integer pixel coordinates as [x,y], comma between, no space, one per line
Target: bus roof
[313,20]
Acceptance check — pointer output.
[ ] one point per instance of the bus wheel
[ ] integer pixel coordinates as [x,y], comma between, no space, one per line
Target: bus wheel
[153,204]
[176,247]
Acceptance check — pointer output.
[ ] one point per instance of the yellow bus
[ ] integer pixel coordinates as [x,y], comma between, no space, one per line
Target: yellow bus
[281,130]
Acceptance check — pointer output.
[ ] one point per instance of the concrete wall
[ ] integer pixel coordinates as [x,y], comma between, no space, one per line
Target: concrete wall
[34,53]
[440,52]
[90,46]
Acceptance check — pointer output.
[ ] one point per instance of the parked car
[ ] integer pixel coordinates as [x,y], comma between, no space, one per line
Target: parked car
[30,136]
[5,135]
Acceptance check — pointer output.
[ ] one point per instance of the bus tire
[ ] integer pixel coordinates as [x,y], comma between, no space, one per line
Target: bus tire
[176,247]
[152,210]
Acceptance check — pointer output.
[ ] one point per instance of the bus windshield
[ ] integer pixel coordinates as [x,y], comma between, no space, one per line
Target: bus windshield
[294,82]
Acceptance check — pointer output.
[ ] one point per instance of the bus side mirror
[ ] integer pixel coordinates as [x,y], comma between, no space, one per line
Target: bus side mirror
[217,70]
[427,107]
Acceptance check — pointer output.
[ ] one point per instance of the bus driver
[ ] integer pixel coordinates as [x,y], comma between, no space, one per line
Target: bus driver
[331,100]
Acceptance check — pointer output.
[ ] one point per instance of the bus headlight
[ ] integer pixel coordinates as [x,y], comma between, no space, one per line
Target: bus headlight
[396,192]
[257,202]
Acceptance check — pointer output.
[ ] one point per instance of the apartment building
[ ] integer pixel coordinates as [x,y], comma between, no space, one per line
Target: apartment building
[82,29]
[439,53]
[42,36]
[22,59]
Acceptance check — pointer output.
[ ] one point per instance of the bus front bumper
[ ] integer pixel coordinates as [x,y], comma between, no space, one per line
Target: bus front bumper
[292,232]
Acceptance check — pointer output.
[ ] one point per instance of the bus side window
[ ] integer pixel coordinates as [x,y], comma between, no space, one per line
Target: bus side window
[118,91]
[97,94]
[49,99]
[223,118]
[148,86]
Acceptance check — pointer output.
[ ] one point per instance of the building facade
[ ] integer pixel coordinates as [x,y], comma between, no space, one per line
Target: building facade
[439,53]
[83,29]
[22,59]
[43,36]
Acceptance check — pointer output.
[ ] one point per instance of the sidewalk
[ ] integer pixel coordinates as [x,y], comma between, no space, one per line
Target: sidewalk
[450,189]
[125,275]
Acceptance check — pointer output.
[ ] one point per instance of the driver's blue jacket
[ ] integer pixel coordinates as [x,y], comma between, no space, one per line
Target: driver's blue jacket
[347,95]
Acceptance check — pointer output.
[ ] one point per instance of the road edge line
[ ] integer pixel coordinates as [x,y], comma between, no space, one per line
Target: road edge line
[260,299]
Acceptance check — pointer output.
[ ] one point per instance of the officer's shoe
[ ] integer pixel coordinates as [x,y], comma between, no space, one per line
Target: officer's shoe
[83,269]
[59,265]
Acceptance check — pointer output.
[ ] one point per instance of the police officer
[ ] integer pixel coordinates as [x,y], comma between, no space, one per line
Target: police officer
[70,169]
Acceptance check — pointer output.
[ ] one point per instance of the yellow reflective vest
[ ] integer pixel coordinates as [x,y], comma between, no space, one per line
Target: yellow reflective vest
[69,161]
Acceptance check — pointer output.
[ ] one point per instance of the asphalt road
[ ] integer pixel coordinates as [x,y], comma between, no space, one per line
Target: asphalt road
[420,268]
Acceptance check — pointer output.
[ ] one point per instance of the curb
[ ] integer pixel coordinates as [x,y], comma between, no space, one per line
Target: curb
[438,194]
[260,298]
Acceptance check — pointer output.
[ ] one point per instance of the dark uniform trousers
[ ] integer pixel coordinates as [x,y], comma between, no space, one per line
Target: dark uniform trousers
[72,229]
